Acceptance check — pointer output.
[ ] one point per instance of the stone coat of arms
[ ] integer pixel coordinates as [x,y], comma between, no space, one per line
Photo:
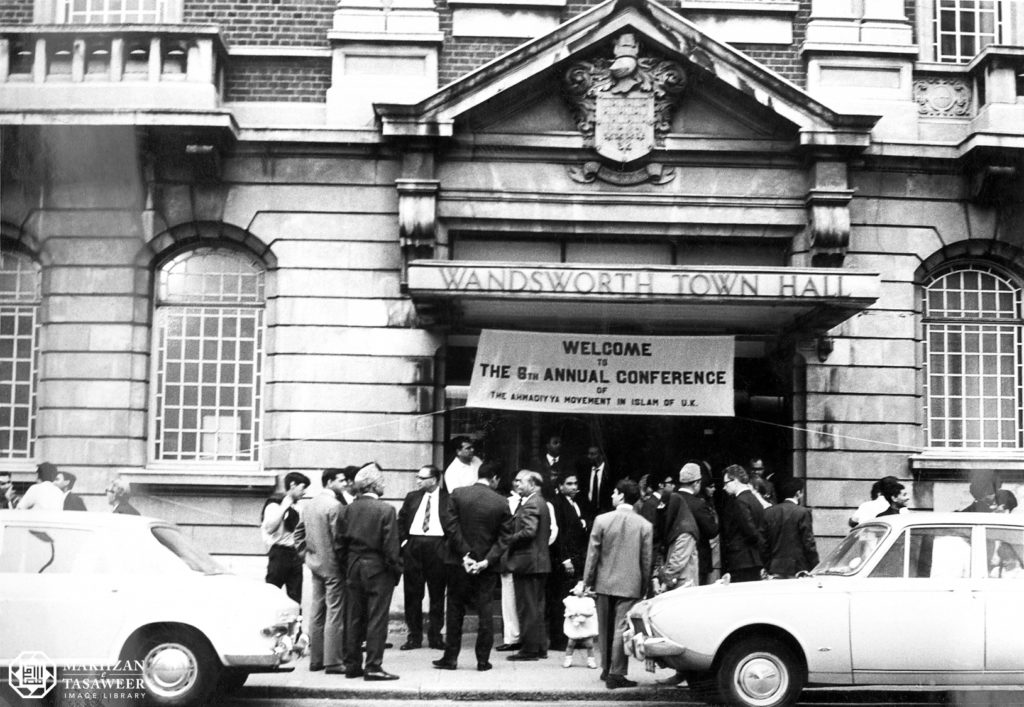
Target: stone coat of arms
[623,105]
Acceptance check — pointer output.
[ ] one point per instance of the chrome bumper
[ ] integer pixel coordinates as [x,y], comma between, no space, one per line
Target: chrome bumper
[663,651]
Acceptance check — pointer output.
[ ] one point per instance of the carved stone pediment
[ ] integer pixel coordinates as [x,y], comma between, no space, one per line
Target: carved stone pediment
[623,103]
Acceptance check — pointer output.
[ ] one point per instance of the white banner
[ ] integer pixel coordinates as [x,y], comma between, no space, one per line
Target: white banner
[624,375]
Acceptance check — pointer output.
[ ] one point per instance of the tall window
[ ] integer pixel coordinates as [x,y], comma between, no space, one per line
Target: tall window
[113,11]
[962,28]
[208,378]
[19,337]
[973,359]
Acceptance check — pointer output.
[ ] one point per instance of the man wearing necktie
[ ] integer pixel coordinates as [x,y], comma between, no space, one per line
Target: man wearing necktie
[568,553]
[421,528]
[596,485]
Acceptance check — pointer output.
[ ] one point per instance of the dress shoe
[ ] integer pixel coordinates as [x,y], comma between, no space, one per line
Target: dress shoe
[410,646]
[523,656]
[316,667]
[543,655]
[442,664]
[437,645]
[334,669]
[615,681]
[383,675]
[353,673]
[508,647]
[483,666]
[603,676]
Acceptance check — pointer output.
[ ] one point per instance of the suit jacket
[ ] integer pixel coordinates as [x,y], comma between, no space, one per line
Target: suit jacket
[528,544]
[604,495]
[126,508]
[571,543]
[314,535]
[742,532]
[620,554]
[368,532]
[411,504]
[659,512]
[479,524]
[707,527]
[549,472]
[73,502]
[789,539]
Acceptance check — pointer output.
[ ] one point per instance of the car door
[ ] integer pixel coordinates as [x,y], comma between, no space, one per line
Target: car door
[1002,591]
[57,596]
[913,601]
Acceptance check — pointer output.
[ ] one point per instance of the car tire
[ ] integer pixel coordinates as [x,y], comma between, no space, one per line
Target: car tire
[231,680]
[703,687]
[760,672]
[179,668]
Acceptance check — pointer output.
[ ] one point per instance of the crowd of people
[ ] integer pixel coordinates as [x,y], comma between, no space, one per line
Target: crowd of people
[53,491]
[569,551]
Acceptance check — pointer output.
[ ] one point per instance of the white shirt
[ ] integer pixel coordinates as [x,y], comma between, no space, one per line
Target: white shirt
[272,529]
[459,473]
[869,509]
[43,496]
[434,530]
[596,482]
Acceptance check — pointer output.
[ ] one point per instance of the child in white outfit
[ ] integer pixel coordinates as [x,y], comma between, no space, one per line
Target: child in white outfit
[580,627]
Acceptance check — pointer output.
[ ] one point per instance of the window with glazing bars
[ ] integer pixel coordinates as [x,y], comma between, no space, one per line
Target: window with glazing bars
[973,359]
[19,346]
[113,11]
[962,28]
[208,377]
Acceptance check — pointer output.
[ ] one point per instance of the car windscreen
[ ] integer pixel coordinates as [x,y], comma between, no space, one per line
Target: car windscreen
[853,552]
[196,559]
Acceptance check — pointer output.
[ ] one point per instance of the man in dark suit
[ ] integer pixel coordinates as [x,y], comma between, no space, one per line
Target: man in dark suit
[618,568]
[568,554]
[597,482]
[368,549]
[421,523]
[529,562]
[65,481]
[478,526]
[742,527]
[550,463]
[789,533]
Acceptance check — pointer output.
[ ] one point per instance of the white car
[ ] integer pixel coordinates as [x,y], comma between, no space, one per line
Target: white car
[918,599]
[92,589]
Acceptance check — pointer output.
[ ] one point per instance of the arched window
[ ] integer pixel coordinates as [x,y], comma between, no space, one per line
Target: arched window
[972,328]
[208,358]
[19,345]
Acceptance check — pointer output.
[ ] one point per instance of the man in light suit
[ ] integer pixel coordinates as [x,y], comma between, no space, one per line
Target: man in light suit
[314,539]
[789,533]
[618,569]
[529,562]
[478,527]
[368,550]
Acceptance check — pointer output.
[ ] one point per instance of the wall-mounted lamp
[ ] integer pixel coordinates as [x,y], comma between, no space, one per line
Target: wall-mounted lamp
[824,348]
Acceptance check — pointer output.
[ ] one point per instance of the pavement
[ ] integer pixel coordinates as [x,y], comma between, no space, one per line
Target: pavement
[535,681]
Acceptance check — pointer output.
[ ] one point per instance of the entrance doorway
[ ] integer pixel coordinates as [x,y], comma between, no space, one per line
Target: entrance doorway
[635,444]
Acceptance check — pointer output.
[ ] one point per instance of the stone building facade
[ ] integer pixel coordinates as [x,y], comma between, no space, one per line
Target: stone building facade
[247,238]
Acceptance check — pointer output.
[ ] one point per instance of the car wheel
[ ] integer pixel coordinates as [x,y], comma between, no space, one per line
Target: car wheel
[760,672]
[179,668]
[231,680]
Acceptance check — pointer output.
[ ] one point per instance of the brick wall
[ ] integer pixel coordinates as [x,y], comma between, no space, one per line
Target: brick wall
[785,60]
[264,22]
[16,12]
[272,79]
